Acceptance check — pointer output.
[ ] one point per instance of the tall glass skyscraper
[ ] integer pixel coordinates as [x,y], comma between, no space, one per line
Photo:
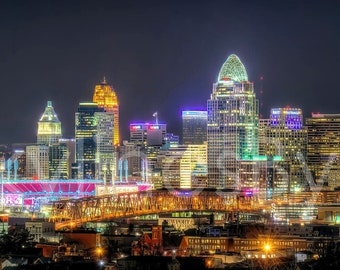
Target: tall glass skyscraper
[232,125]
[105,96]
[49,126]
[86,144]
[94,141]
[194,127]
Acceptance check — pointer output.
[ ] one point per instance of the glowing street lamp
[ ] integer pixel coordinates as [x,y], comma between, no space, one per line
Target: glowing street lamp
[267,247]
[99,251]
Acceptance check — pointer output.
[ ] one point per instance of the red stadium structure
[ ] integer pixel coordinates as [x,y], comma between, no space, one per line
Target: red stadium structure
[33,193]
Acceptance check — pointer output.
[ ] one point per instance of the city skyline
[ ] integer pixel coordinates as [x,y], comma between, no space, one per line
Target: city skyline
[161,57]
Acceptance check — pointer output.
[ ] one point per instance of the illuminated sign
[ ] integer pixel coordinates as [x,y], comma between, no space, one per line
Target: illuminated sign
[275,111]
[135,127]
[181,193]
[292,112]
[13,199]
[153,127]
[194,113]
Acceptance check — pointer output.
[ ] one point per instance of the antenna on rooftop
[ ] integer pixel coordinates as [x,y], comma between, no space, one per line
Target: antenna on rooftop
[156,116]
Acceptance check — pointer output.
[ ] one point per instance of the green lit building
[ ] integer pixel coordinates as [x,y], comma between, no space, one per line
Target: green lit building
[232,124]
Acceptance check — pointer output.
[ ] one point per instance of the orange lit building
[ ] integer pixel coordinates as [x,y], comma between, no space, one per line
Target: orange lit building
[105,96]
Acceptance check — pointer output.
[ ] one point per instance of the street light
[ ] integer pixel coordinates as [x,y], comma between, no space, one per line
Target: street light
[99,253]
[267,247]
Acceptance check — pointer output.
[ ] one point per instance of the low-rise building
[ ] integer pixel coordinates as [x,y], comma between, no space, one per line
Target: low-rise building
[40,229]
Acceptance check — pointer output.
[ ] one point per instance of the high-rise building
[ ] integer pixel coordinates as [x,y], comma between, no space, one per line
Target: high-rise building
[94,141]
[149,140]
[170,140]
[70,144]
[194,127]
[85,134]
[323,149]
[19,153]
[185,166]
[49,126]
[105,148]
[37,162]
[105,96]
[146,134]
[284,135]
[58,161]
[264,177]
[232,124]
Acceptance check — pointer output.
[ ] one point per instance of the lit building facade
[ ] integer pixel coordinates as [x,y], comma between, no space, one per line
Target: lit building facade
[323,149]
[232,124]
[170,140]
[149,138]
[37,161]
[105,162]
[58,161]
[71,153]
[146,134]
[194,127]
[49,127]
[19,154]
[86,128]
[134,159]
[105,96]
[284,135]
[264,177]
[185,166]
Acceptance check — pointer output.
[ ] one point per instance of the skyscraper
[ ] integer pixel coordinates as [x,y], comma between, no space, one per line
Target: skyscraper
[49,126]
[37,162]
[323,148]
[146,134]
[105,163]
[194,127]
[232,129]
[105,96]
[85,133]
[58,161]
[284,135]
[94,141]
[185,166]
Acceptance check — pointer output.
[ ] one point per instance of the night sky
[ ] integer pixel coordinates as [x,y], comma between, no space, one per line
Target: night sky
[161,56]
